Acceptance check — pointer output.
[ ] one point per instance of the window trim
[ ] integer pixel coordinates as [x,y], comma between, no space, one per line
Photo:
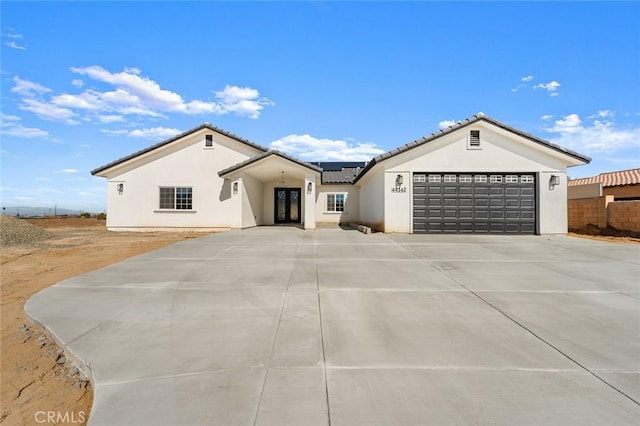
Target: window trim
[208,141]
[187,202]
[335,195]
[474,140]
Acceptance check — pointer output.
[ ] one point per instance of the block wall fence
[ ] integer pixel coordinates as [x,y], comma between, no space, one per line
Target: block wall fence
[603,212]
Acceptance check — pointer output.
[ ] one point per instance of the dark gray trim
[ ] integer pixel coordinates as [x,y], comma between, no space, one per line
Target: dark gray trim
[460,125]
[175,138]
[265,155]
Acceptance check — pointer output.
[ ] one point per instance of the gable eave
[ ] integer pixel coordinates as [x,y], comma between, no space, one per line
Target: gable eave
[253,160]
[100,170]
[581,159]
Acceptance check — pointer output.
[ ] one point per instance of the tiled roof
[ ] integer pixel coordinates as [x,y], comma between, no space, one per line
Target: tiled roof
[346,175]
[624,177]
[265,155]
[338,165]
[175,138]
[460,125]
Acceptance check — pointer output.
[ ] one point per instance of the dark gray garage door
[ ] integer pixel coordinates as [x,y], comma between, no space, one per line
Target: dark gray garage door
[487,203]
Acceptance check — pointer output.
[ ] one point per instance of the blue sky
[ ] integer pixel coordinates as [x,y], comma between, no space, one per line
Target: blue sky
[85,83]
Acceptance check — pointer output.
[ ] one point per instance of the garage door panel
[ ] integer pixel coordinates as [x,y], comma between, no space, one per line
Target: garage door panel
[511,203]
[485,203]
[465,202]
[528,203]
[481,190]
[496,203]
[481,214]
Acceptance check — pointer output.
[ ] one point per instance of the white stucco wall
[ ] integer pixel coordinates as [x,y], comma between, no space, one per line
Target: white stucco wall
[351,204]
[397,202]
[184,163]
[252,202]
[552,207]
[372,198]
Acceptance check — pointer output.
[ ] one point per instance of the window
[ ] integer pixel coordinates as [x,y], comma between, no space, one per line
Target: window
[511,179]
[526,179]
[208,141]
[435,178]
[335,202]
[419,178]
[474,138]
[464,178]
[176,198]
[450,178]
[480,178]
[495,179]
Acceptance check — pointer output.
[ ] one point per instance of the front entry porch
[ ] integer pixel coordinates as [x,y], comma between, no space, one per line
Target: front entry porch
[274,188]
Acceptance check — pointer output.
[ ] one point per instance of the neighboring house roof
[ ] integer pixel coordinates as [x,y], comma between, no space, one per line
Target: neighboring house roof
[621,178]
[265,155]
[175,138]
[464,123]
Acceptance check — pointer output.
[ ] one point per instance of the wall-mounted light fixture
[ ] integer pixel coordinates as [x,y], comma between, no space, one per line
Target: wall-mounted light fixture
[235,187]
[120,188]
[309,188]
[553,181]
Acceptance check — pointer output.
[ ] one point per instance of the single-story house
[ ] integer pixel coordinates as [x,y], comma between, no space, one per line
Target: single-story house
[477,176]
[624,185]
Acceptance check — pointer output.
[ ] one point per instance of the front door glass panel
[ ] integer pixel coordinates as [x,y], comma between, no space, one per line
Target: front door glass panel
[287,205]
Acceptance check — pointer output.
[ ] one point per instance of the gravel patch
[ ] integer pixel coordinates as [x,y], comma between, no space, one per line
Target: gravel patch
[14,231]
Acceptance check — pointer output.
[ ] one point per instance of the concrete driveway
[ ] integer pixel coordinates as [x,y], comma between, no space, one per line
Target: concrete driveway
[280,326]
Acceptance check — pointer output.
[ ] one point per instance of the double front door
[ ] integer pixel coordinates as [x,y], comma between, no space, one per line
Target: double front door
[287,205]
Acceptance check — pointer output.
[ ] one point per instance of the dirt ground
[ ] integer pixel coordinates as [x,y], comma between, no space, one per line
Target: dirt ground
[36,381]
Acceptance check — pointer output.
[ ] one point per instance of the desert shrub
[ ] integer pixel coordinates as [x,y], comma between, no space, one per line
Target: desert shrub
[102,216]
[86,215]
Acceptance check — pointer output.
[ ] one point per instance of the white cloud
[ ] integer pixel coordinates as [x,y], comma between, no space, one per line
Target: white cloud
[605,113]
[594,135]
[86,100]
[154,133]
[140,88]
[527,78]
[28,88]
[4,118]
[151,133]
[9,126]
[569,124]
[550,87]
[310,148]
[48,111]
[546,117]
[69,171]
[242,101]
[12,44]
[132,94]
[446,123]
[110,118]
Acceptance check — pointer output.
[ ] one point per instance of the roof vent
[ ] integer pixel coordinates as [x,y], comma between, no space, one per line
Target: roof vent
[208,141]
[474,138]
